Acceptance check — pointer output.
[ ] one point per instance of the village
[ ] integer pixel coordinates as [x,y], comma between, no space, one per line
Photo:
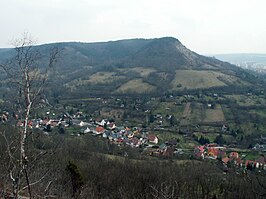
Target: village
[144,138]
[135,137]
[232,159]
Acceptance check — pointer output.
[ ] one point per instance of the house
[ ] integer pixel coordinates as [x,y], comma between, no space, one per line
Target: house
[43,122]
[113,136]
[234,155]
[87,130]
[262,161]
[224,128]
[111,125]
[103,123]
[221,153]
[211,145]
[53,123]
[238,162]
[136,132]
[249,164]
[129,135]
[153,139]
[127,129]
[4,117]
[84,123]
[106,134]
[120,140]
[135,142]
[225,160]
[21,124]
[78,114]
[99,130]
[199,152]
[30,124]
[213,152]
[259,147]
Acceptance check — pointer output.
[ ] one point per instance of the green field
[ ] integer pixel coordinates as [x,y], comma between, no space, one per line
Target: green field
[169,108]
[247,100]
[260,113]
[228,113]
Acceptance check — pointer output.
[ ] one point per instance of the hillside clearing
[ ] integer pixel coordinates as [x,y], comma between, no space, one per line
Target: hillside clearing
[96,78]
[214,115]
[103,77]
[135,86]
[192,79]
[143,72]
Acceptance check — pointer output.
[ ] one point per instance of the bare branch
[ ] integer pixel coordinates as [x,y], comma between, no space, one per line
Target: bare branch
[36,182]
[25,72]
[11,157]
[48,185]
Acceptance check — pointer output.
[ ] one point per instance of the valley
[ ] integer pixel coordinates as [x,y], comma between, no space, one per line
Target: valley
[133,108]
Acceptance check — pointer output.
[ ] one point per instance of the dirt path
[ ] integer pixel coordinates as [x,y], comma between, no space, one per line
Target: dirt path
[186,115]
[187,111]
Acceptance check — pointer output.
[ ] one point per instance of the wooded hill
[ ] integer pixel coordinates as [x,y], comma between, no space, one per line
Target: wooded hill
[138,66]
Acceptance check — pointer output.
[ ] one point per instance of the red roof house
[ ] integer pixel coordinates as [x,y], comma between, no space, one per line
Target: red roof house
[234,155]
[213,152]
[153,139]
[99,129]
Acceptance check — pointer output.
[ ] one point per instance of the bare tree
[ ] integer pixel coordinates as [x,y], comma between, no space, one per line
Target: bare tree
[28,72]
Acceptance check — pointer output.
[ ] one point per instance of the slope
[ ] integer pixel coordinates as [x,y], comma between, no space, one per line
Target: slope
[120,67]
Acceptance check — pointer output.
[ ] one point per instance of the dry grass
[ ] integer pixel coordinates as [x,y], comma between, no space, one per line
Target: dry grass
[214,115]
[103,77]
[186,116]
[135,86]
[143,72]
[192,79]
[97,78]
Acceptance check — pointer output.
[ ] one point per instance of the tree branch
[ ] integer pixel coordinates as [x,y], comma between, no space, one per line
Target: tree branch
[36,182]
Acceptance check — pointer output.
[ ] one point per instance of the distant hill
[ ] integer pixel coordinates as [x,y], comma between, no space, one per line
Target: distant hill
[254,62]
[242,57]
[4,50]
[138,66]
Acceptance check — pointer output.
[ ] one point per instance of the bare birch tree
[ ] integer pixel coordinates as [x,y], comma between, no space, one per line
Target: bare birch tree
[28,72]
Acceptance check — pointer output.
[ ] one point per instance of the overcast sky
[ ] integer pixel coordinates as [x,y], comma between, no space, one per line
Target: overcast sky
[204,26]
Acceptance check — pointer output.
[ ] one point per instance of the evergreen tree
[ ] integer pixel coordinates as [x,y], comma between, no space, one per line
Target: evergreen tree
[220,140]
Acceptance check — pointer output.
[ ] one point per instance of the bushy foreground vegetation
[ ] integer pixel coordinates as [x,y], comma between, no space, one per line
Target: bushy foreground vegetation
[90,167]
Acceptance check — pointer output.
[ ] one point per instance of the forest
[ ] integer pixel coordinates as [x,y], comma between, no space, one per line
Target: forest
[87,167]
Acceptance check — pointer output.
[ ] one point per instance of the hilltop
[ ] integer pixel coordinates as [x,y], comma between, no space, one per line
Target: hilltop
[139,66]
